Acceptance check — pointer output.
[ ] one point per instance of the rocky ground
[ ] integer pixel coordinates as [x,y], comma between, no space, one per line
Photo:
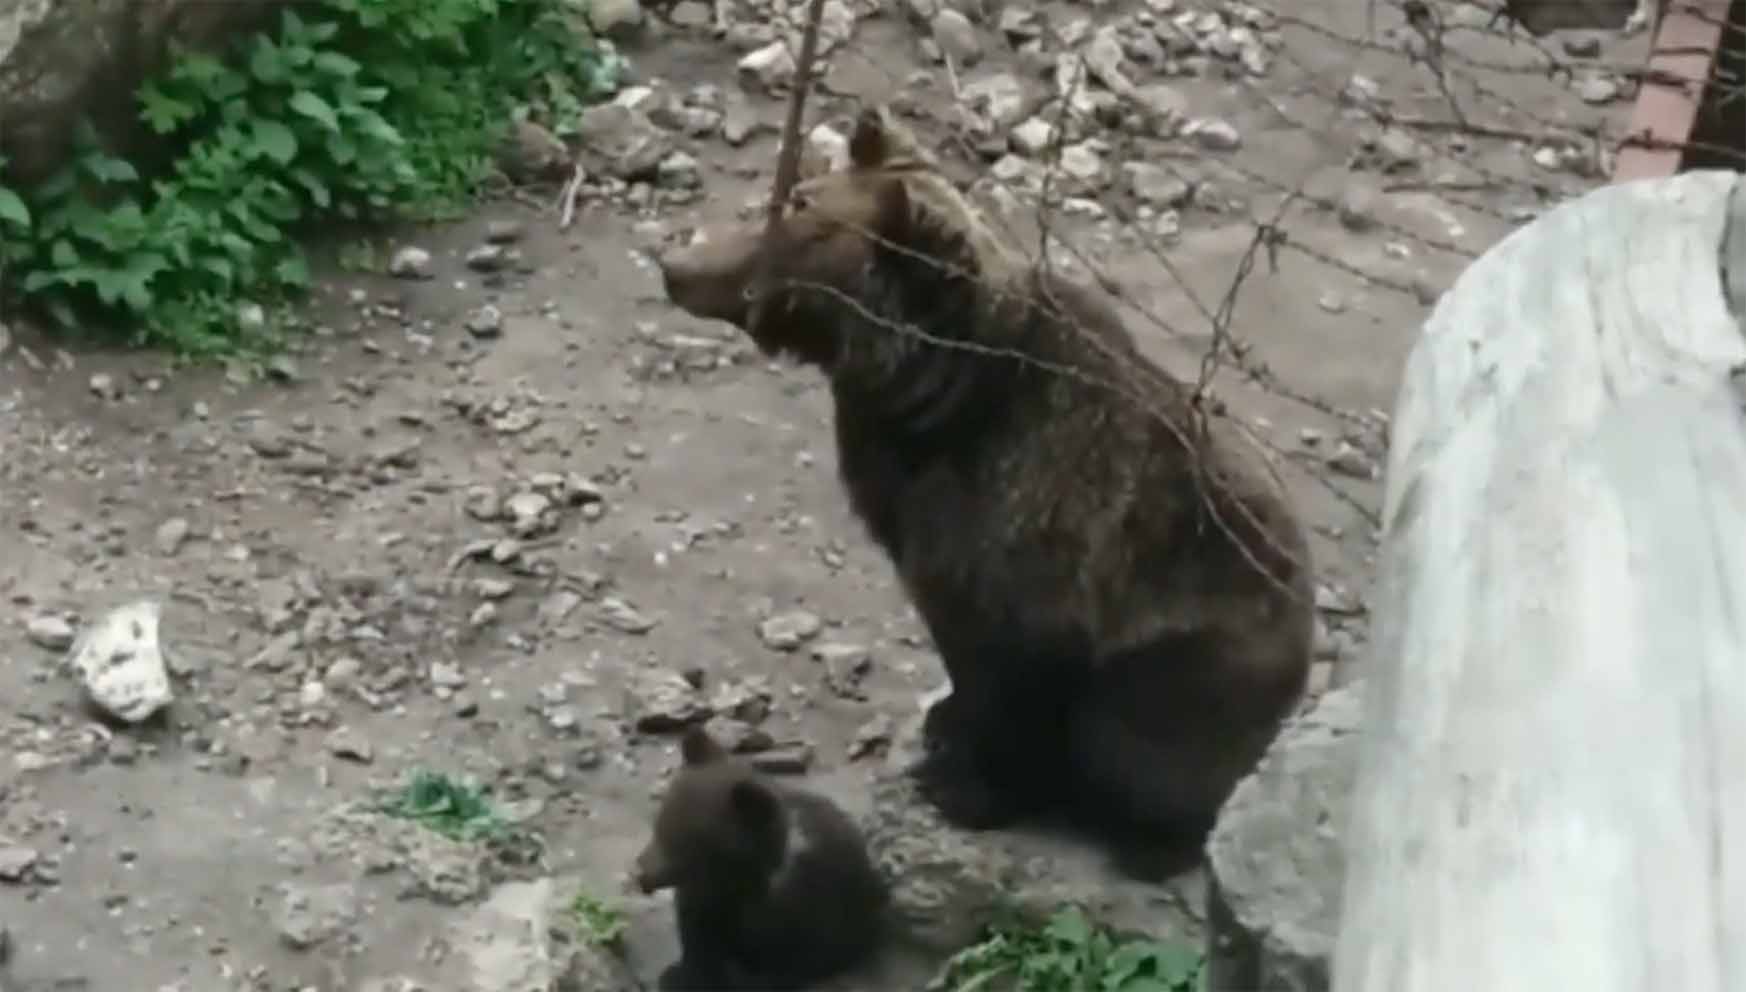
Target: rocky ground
[510,516]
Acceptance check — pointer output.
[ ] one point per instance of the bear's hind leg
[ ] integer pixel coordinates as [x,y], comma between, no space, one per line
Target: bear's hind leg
[997,746]
[1157,742]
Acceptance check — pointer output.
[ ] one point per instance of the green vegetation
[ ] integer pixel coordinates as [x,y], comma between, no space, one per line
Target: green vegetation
[596,922]
[453,809]
[366,110]
[1069,953]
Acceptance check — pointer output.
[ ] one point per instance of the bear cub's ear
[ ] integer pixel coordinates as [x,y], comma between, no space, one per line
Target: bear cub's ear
[870,146]
[698,748]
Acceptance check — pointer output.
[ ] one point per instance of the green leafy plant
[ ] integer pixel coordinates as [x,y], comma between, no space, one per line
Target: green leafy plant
[366,110]
[451,808]
[596,922]
[1069,953]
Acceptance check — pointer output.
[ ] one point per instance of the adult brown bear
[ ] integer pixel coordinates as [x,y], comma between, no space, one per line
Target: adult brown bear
[1120,591]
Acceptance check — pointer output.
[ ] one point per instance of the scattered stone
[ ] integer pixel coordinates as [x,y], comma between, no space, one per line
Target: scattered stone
[105,386]
[1216,135]
[746,700]
[486,258]
[957,37]
[530,153]
[663,701]
[1081,163]
[531,514]
[615,19]
[767,70]
[51,632]
[999,98]
[621,142]
[871,738]
[307,915]
[625,618]
[1164,108]
[411,262]
[678,171]
[120,660]
[827,150]
[1598,90]
[347,743]
[503,232]
[485,321]
[1350,461]
[16,863]
[846,665]
[738,123]
[1033,137]
[1155,184]
[1357,208]
[787,631]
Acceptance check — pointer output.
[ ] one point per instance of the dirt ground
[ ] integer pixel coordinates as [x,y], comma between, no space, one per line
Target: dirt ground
[342,610]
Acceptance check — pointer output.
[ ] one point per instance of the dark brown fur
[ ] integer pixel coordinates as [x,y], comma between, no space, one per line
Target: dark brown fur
[1123,603]
[773,887]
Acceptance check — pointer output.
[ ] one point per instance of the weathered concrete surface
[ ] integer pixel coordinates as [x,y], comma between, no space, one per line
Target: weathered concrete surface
[63,58]
[1277,864]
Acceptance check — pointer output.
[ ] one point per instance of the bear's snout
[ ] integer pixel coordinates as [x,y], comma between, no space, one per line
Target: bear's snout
[708,277]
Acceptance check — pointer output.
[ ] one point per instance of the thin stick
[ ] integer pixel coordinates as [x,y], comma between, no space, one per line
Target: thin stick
[568,197]
[787,160]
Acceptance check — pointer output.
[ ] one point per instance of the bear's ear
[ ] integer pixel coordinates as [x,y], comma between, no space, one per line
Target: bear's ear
[698,748]
[755,804]
[871,144]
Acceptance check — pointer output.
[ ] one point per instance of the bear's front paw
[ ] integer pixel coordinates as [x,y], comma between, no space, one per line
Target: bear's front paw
[942,725]
[683,976]
[964,799]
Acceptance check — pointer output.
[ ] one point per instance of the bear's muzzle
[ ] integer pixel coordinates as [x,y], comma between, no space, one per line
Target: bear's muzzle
[712,276]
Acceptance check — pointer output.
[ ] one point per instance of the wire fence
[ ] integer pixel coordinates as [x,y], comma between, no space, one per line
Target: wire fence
[1367,148]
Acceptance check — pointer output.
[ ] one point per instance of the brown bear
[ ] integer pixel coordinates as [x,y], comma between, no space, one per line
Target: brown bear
[773,886]
[1119,588]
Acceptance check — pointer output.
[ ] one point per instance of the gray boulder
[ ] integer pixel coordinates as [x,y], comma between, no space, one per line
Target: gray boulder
[1276,856]
[60,59]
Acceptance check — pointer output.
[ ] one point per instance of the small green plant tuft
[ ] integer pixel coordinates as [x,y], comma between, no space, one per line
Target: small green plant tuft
[1069,953]
[451,808]
[596,922]
[369,110]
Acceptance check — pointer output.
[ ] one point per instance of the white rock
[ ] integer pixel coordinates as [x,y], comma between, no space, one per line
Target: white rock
[1032,137]
[826,150]
[767,69]
[121,662]
[957,37]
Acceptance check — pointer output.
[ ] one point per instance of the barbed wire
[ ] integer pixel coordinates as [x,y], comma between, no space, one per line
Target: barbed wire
[1418,100]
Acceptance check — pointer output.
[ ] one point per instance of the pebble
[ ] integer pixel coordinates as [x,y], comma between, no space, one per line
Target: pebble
[411,262]
[957,37]
[1218,136]
[51,632]
[787,631]
[485,321]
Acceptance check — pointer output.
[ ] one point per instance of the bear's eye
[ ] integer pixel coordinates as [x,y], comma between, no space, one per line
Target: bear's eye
[799,202]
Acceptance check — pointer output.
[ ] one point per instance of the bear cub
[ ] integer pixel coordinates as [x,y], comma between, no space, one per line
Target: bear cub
[773,885]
